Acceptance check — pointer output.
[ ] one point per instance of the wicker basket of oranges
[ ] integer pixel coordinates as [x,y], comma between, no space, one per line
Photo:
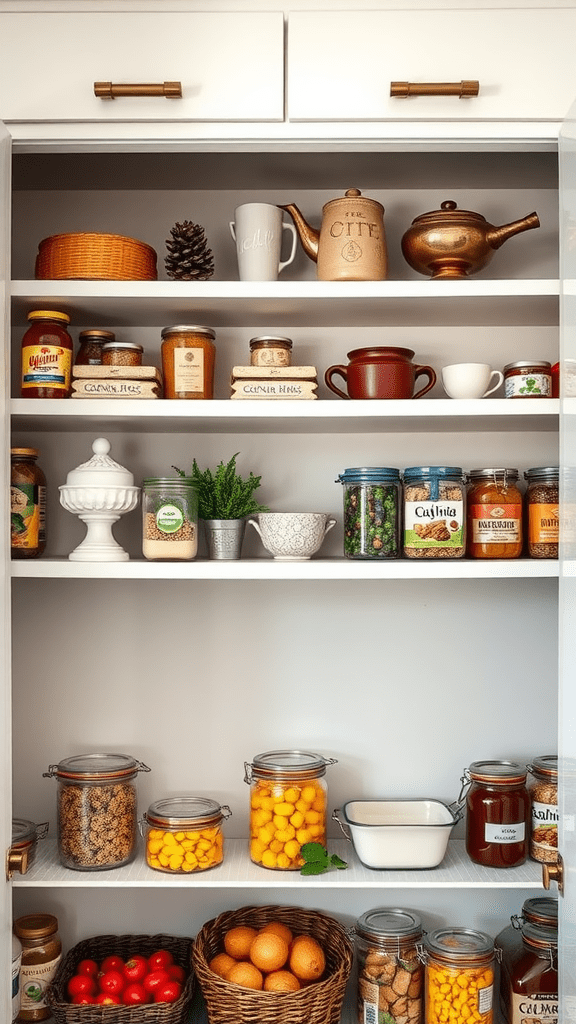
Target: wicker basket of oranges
[266,965]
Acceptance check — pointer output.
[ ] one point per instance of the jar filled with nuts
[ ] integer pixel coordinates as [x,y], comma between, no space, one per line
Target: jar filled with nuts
[543,791]
[434,512]
[390,972]
[543,511]
[97,810]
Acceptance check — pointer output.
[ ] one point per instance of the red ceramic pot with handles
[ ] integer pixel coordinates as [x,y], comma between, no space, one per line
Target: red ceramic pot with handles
[380,372]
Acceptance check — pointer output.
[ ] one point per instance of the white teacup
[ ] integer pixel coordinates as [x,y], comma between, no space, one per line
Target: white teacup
[292,536]
[470,380]
[258,230]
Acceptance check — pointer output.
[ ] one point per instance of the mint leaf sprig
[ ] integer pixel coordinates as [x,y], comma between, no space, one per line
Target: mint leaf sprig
[318,860]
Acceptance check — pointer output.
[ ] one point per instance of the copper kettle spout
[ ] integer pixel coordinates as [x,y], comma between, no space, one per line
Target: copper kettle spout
[308,236]
[497,236]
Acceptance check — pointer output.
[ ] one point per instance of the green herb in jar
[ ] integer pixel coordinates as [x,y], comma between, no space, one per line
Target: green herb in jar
[371,521]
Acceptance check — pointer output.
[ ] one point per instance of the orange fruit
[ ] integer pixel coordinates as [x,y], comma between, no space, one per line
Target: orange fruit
[268,951]
[307,960]
[221,964]
[278,928]
[246,975]
[237,941]
[281,981]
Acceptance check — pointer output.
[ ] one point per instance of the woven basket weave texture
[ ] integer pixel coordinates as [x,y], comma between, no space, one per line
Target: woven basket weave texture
[89,256]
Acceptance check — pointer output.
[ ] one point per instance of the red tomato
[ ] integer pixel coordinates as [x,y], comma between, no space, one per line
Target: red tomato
[84,1000]
[111,963]
[161,958]
[169,992]
[82,985]
[89,967]
[135,968]
[177,973]
[103,999]
[154,980]
[134,994]
[112,983]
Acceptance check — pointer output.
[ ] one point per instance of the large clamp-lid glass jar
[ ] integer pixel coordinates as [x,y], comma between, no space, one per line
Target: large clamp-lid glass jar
[170,518]
[459,977]
[371,512]
[434,512]
[288,798]
[494,514]
[390,971]
[532,993]
[497,813]
[184,834]
[97,810]
[543,791]
[538,911]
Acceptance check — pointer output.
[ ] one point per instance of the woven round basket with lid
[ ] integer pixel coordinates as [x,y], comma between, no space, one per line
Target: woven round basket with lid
[89,256]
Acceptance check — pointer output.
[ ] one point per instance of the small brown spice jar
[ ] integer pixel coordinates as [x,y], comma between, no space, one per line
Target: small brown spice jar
[41,954]
[27,504]
[494,514]
[543,792]
[543,511]
[121,353]
[269,350]
[91,344]
[531,379]
[188,357]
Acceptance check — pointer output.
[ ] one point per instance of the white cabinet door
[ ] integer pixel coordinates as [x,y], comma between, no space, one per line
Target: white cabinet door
[341,64]
[230,65]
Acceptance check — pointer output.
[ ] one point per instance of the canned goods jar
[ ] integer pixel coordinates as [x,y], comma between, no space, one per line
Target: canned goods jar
[97,810]
[390,971]
[121,353]
[459,977]
[528,379]
[434,512]
[497,813]
[25,836]
[47,351]
[543,511]
[41,954]
[288,806]
[27,504]
[532,993]
[371,512]
[494,514]
[91,344]
[540,912]
[184,834]
[170,518]
[188,358]
[543,791]
[269,350]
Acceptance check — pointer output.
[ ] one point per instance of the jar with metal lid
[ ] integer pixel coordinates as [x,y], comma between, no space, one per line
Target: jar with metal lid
[459,976]
[25,837]
[540,912]
[390,971]
[528,379]
[532,990]
[288,806]
[494,514]
[47,351]
[170,518]
[543,792]
[41,954]
[497,813]
[188,359]
[184,834]
[27,504]
[97,810]
[434,512]
[371,512]
[269,350]
[91,344]
[542,511]
[121,353]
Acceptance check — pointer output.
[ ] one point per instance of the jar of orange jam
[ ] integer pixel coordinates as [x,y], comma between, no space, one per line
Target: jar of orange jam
[288,806]
[494,516]
[184,834]
[459,976]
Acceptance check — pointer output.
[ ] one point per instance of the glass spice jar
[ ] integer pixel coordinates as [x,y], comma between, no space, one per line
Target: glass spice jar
[390,971]
[41,954]
[497,813]
[91,344]
[170,518]
[184,834]
[543,792]
[188,359]
[27,504]
[532,993]
[434,512]
[97,810]
[268,350]
[371,512]
[459,976]
[47,351]
[543,511]
[121,353]
[288,805]
[25,836]
[540,912]
[528,379]
[494,514]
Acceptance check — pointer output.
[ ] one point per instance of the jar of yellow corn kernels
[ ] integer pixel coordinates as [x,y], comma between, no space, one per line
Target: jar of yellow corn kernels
[288,799]
[459,976]
[184,834]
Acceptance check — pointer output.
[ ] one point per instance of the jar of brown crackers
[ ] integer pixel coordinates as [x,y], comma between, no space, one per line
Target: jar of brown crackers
[543,791]
[390,972]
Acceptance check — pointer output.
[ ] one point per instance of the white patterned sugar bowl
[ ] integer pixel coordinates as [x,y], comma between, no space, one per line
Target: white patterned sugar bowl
[292,536]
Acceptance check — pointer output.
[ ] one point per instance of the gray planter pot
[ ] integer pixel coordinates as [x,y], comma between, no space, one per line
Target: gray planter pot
[224,537]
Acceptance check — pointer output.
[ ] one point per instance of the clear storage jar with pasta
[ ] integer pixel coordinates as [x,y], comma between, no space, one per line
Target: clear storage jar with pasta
[390,971]
[184,834]
[288,806]
[459,976]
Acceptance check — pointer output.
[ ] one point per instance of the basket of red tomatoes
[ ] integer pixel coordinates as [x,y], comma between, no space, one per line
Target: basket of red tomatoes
[124,979]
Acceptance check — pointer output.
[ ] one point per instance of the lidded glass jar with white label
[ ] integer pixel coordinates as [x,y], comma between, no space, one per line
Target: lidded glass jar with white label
[170,518]
[434,512]
[543,790]
[188,358]
[459,981]
[497,813]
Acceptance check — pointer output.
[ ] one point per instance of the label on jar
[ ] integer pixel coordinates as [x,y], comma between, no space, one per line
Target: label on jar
[46,366]
[528,385]
[543,523]
[496,524]
[433,524]
[485,999]
[544,838]
[27,515]
[189,370]
[169,519]
[34,980]
[514,832]
[369,1002]
[539,1007]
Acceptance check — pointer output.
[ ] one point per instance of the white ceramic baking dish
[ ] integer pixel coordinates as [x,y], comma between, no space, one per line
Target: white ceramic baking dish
[398,833]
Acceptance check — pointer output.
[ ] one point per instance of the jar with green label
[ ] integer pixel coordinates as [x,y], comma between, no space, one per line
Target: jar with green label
[170,518]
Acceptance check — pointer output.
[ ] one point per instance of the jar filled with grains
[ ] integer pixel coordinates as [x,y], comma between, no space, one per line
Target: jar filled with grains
[390,971]
[41,955]
[459,977]
[434,512]
[121,353]
[543,511]
[91,345]
[184,834]
[170,518]
[543,791]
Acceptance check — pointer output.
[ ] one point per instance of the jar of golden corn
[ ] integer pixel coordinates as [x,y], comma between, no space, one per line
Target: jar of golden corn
[288,800]
[184,834]
[459,976]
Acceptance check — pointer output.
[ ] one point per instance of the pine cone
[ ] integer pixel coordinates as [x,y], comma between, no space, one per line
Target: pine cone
[189,258]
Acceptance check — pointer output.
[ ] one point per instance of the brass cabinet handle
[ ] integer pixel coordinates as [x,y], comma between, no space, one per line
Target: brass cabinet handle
[401,90]
[109,91]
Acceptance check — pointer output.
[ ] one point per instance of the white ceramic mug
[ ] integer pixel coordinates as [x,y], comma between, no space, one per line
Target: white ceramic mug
[257,230]
[470,380]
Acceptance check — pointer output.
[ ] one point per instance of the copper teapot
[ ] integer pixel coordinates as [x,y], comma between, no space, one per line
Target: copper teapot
[453,243]
[351,244]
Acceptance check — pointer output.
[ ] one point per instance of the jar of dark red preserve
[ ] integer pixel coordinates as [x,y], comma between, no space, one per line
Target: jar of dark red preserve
[539,912]
[497,813]
[533,983]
